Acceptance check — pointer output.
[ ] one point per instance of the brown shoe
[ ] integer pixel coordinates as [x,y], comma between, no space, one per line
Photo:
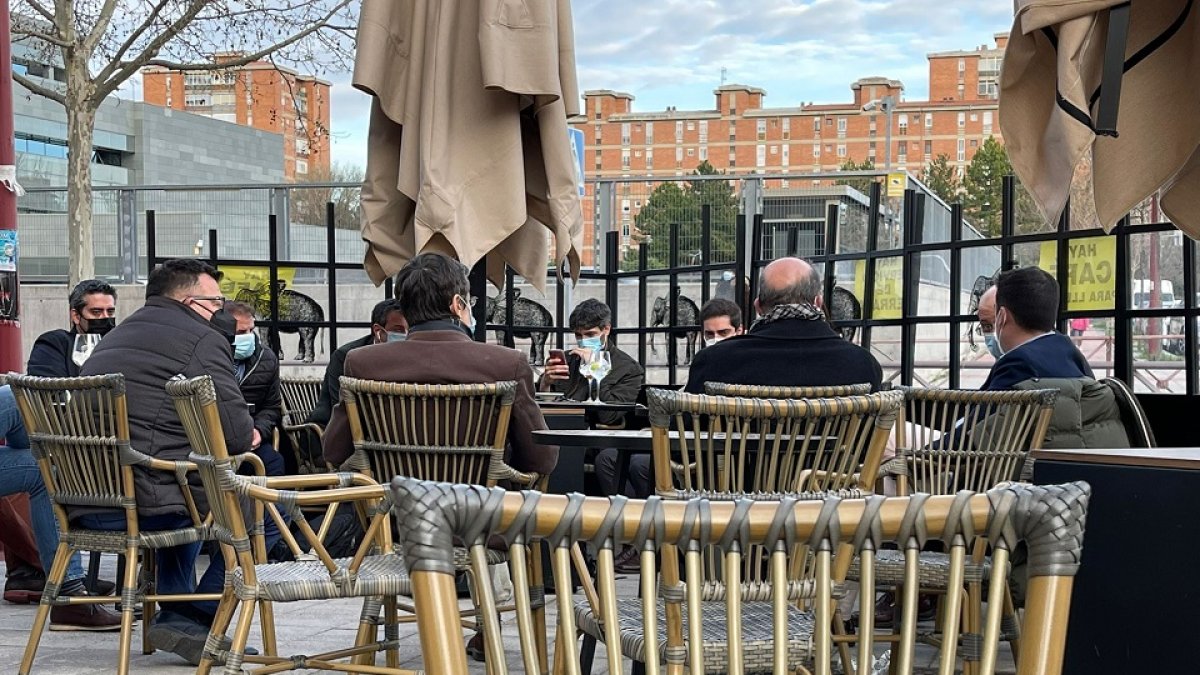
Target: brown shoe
[84,617]
[628,561]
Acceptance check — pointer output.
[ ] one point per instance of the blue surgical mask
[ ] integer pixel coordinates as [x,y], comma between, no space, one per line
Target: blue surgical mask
[243,346]
[470,325]
[993,344]
[592,343]
[396,336]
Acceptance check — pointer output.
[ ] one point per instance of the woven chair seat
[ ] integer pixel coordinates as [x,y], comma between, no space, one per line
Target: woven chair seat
[109,541]
[382,575]
[757,641]
[462,557]
[933,569]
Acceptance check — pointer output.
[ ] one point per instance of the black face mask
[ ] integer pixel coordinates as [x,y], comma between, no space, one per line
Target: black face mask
[224,323]
[99,326]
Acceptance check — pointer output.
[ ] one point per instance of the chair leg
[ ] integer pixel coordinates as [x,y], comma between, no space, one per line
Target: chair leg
[587,654]
[266,613]
[539,610]
[150,574]
[54,580]
[391,631]
[367,629]
[93,573]
[128,595]
[241,634]
[220,626]
[1013,622]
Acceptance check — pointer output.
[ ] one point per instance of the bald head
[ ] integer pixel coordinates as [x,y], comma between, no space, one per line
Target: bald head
[987,310]
[788,281]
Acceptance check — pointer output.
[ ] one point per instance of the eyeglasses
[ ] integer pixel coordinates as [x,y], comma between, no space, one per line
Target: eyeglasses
[220,300]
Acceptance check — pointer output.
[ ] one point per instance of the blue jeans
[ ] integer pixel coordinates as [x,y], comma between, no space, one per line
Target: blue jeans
[19,473]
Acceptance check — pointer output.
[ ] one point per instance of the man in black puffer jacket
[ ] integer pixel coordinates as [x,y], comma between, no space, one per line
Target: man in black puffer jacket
[173,334]
[257,370]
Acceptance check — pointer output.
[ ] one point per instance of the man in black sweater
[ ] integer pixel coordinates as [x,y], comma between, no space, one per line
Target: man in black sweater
[791,343]
[93,310]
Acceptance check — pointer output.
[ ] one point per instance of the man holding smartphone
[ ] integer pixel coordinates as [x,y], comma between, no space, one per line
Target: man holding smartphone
[591,322]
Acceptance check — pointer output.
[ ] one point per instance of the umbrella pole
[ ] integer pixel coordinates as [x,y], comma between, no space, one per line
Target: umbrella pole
[479,292]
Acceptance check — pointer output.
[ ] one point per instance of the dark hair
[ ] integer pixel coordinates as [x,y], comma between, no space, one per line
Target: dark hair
[379,315]
[78,297]
[1031,297]
[807,290]
[426,287]
[239,308]
[590,313]
[722,307]
[180,274]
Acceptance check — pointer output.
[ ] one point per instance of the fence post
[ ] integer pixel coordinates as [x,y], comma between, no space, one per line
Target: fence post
[281,209]
[603,223]
[127,235]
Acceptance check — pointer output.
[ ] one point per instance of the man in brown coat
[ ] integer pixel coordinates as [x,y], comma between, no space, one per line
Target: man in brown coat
[433,291]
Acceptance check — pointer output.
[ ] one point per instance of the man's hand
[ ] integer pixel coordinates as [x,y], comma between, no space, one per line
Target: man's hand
[255,439]
[556,370]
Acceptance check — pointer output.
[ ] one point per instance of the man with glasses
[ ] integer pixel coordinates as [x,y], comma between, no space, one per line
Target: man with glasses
[182,330]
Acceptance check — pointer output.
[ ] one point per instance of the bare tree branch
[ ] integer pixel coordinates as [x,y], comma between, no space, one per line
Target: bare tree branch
[127,70]
[103,20]
[134,35]
[39,89]
[37,7]
[39,35]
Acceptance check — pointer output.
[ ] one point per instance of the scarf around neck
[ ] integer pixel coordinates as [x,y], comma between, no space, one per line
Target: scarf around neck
[805,311]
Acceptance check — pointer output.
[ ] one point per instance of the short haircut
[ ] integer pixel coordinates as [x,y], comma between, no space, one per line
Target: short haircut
[239,308]
[379,315]
[1031,297]
[590,313]
[78,297]
[426,287]
[177,275]
[722,307]
[805,291]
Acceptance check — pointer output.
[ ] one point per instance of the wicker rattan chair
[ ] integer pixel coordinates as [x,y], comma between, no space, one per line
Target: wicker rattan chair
[764,391]
[300,396]
[375,572]
[728,447]
[432,517]
[79,432]
[949,440]
[441,432]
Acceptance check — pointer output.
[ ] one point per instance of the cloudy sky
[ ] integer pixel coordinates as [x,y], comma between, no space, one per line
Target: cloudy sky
[671,52]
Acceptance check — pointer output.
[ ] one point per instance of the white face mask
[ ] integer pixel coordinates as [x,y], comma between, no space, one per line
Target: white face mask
[708,342]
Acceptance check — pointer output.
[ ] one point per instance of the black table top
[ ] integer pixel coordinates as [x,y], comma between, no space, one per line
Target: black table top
[602,406]
[623,439]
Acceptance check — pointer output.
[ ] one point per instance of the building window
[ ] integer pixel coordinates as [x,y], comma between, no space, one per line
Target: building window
[962,150]
[774,149]
[841,151]
[760,156]
[871,134]
[990,65]
[704,153]
[703,131]
[193,101]
[962,66]
[841,127]
[624,159]
[987,89]
[987,123]
[691,126]
[902,152]
[784,159]
[961,91]
[596,107]
[625,133]
[817,124]
[301,166]
[816,150]
[962,120]
[903,124]
[649,133]
[691,152]
[928,149]
[787,128]
[974,143]
[649,159]
[679,132]
[678,155]
[974,117]
[762,130]
[928,120]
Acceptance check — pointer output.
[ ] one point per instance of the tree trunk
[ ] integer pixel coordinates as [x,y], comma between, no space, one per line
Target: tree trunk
[81,122]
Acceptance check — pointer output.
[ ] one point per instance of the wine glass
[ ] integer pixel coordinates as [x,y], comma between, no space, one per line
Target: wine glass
[585,369]
[85,343]
[599,364]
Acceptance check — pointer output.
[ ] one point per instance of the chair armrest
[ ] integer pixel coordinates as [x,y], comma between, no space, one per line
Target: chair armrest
[307,426]
[317,480]
[896,466]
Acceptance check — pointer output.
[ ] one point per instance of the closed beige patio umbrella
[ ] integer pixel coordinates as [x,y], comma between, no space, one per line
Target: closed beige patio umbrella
[1052,104]
[468,143]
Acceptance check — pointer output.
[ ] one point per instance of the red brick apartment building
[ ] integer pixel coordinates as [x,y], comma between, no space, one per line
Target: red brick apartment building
[740,136]
[258,95]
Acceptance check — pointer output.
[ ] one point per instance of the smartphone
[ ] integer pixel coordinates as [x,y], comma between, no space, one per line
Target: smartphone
[558,354]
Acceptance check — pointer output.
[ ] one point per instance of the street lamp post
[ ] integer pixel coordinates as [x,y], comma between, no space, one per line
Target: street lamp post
[887,105]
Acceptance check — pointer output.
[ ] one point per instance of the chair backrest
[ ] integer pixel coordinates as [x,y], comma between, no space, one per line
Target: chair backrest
[449,432]
[1137,425]
[954,439]
[767,391]
[432,518]
[300,396]
[79,433]
[727,444]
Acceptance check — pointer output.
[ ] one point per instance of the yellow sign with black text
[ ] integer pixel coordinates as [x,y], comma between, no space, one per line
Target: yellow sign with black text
[889,287]
[255,280]
[1091,271]
[897,182]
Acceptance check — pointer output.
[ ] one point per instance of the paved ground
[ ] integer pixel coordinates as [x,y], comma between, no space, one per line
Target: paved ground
[303,627]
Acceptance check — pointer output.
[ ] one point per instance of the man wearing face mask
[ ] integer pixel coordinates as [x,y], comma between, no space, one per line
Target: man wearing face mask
[720,319]
[434,295]
[93,309]
[387,325]
[987,322]
[591,321]
[257,371]
[174,333]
